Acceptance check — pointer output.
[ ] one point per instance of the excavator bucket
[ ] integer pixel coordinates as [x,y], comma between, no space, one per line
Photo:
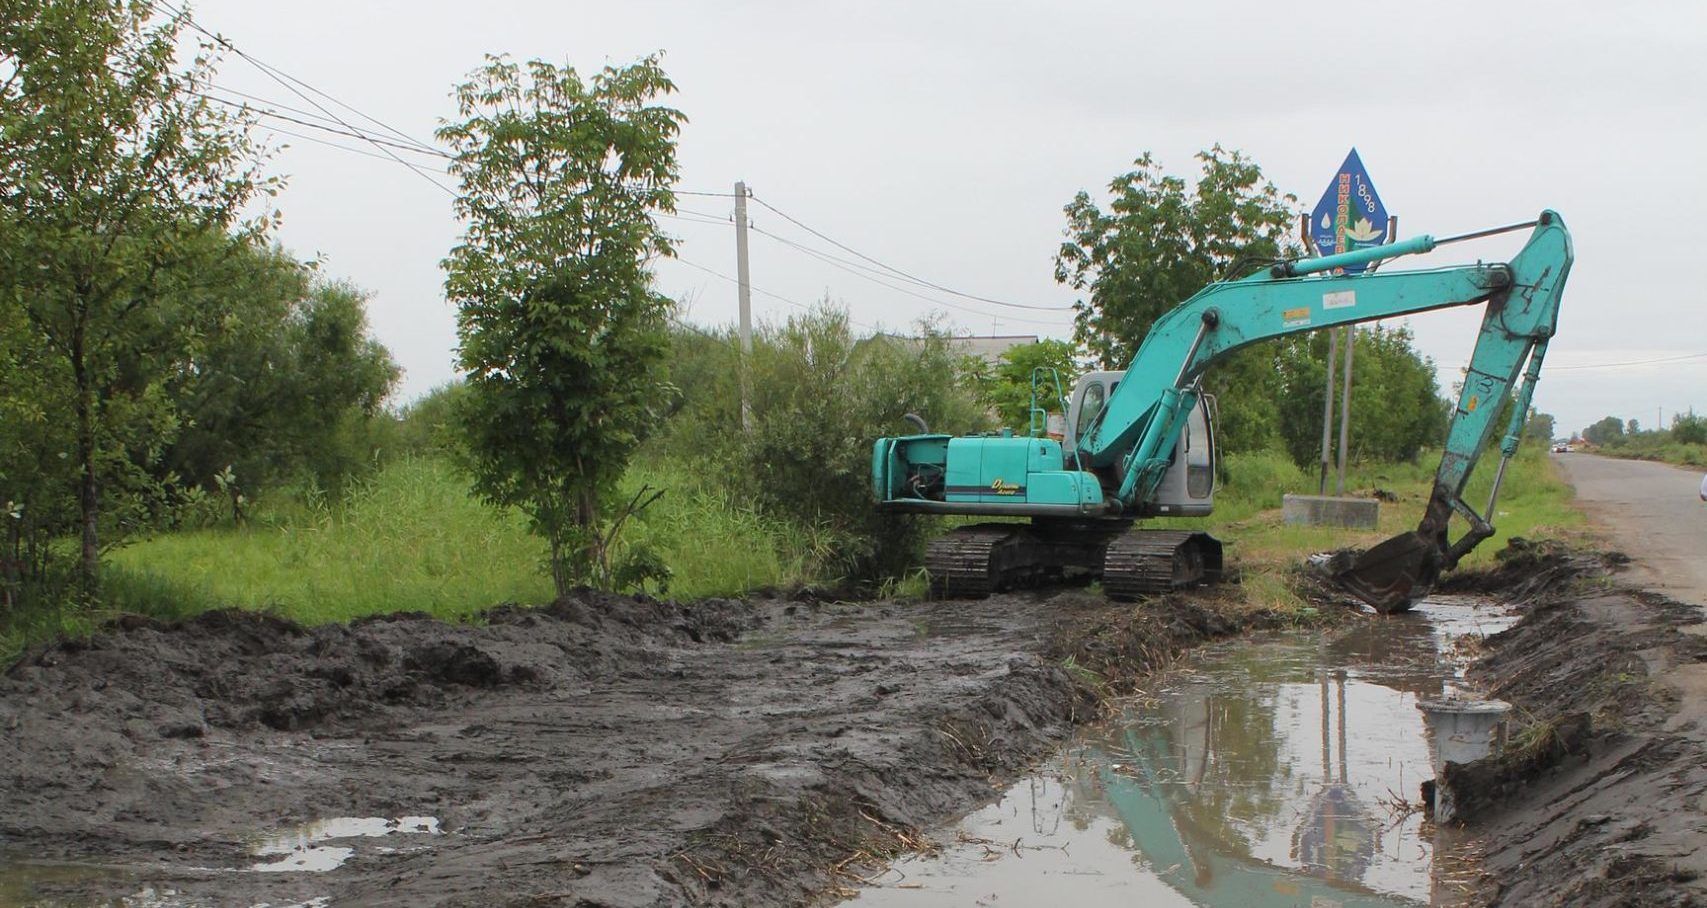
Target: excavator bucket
[1393,575]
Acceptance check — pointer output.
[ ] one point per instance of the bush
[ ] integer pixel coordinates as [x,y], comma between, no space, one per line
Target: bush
[819,399]
[1689,429]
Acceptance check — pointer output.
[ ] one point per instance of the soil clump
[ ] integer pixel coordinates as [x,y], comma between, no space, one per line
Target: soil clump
[606,750]
[1600,797]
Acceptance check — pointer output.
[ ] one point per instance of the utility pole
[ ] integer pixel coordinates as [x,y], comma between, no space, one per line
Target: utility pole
[1345,403]
[1345,408]
[1328,412]
[745,295]
[1328,395]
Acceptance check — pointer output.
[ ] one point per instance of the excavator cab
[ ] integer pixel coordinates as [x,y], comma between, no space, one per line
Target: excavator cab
[1187,488]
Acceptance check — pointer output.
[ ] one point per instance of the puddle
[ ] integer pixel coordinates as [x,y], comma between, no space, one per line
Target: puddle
[1275,770]
[300,849]
[303,849]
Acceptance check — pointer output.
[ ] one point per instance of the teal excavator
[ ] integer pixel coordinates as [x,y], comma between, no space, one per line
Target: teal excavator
[1140,442]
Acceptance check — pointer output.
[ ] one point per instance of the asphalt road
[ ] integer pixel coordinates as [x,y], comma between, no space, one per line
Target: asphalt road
[1654,514]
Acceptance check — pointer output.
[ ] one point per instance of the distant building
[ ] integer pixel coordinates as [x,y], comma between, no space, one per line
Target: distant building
[989,347]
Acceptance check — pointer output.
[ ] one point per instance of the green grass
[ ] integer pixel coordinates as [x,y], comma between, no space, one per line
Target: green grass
[1534,501]
[1644,447]
[410,539]
[414,539]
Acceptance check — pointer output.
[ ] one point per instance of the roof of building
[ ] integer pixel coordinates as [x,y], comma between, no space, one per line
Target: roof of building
[989,347]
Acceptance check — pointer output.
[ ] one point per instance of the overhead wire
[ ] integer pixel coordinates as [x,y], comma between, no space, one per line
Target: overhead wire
[341,147]
[850,268]
[285,81]
[274,115]
[896,271]
[763,292]
[387,147]
[864,272]
[264,103]
[1639,362]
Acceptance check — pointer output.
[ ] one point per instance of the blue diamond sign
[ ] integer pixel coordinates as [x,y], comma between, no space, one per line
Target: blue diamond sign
[1350,215]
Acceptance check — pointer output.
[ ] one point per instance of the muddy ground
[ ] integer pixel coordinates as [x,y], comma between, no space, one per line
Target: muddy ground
[1601,797]
[613,751]
[605,751]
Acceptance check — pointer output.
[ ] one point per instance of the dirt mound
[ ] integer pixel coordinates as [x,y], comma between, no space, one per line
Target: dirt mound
[235,669]
[1530,570]
[603,750]
[1598,799]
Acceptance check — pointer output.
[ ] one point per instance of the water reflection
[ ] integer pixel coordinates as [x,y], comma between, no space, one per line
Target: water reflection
[1270,771]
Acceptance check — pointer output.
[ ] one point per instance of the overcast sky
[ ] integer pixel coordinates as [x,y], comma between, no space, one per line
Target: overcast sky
[944,139]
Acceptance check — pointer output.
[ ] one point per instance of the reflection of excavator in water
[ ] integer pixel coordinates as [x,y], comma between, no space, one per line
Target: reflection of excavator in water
[1141,443]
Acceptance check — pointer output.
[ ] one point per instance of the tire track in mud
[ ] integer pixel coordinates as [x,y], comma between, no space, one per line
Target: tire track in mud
[602,751]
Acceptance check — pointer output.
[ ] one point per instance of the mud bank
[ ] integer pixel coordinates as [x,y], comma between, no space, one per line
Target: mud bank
[1601,798]
[604,751]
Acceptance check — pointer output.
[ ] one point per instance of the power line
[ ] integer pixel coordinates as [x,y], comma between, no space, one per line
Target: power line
[329,144]
[272,114]
[276,73]
[1638,362]
[270,104]
[849,267]
[898,272]
[725,219]
[693,219]
[284,80]
[760,290]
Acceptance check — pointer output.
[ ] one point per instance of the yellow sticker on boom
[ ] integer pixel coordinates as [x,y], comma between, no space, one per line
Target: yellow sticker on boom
[1292,318]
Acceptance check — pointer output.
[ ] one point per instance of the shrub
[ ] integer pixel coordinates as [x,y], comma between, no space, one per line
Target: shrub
[819,399]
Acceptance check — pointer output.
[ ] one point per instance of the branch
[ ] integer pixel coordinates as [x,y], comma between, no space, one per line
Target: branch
[635,506]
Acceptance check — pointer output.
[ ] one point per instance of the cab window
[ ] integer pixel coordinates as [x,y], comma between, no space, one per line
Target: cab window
[1093,403]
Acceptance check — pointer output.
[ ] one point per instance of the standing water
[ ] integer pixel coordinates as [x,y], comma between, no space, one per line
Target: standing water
[1275,770]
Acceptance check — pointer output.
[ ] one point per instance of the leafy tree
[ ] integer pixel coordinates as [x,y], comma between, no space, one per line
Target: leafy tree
[1689,429]
[1160,241]
[562,340]
[285,380]
[1539,427]
[118,179]
[1007,387]
[1396,407]
[1604,431]
[429,424]
[37,475]
[1632,428]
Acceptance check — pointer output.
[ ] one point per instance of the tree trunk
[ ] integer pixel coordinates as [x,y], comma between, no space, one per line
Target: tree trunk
[89,494]
[88,498]
[587,520]
[559,571]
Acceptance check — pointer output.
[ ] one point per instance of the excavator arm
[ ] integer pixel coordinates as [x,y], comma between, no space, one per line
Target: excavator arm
[1136,432]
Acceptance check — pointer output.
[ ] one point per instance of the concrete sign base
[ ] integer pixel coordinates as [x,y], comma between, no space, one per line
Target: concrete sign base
[1328,511]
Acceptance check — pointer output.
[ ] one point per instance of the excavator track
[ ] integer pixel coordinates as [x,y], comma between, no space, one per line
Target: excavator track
[1151,562]
[965,562]
[971,562]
